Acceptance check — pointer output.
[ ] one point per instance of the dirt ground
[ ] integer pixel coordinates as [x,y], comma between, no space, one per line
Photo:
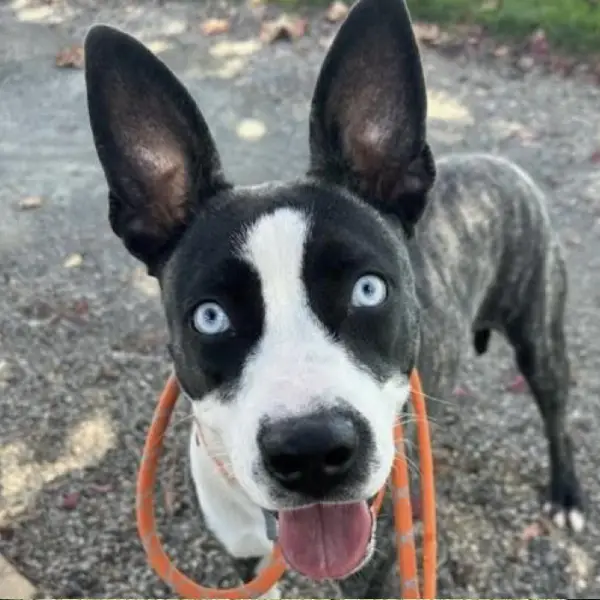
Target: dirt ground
[82,337]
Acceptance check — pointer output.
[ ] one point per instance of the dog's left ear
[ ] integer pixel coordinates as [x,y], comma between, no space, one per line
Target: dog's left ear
[369,110]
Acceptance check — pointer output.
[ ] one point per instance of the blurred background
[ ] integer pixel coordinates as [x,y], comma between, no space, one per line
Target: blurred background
[82,339]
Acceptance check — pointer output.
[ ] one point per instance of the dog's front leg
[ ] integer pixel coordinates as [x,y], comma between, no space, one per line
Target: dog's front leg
[232,517]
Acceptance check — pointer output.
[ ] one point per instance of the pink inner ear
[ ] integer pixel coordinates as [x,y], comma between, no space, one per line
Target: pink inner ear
[366,145]
[161,167]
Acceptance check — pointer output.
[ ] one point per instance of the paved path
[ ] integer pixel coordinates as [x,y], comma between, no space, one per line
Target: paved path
[81,344]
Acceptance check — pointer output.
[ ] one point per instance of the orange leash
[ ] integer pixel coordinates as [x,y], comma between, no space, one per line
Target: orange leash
[268,577]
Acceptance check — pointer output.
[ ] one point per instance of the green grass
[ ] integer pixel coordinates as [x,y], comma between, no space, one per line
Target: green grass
[571,25]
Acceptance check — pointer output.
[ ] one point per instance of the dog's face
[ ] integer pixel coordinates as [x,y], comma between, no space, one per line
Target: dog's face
[291,307]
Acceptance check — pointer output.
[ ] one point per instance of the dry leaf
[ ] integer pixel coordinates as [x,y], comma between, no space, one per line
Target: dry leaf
[336,11]
[30,202]
[595,157]
[283,28]
[518,385]
[72,261]
[538,42]
[101,488]
[214,26]
[69,501]
[70,58]
[501,51]
[526,63]
[81,307]
[532,531]
[490,5]
[428,33]
[461,392]
[7,533]
[325,42]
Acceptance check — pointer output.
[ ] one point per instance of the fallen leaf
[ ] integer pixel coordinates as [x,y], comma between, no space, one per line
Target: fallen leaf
[428,33]
[101,488]
[523,133]
[30,202]
[526,63]
[169,496]
[7,533]
[69,501]
[501,51]
[595,157]
[461,392]
[538,42]
[490,5]
[107,373]
[518,385]
[325,42]
[72,261]
[70,58]
[81,307]
[532,531]
[283,28]
[214,26]
[336,11]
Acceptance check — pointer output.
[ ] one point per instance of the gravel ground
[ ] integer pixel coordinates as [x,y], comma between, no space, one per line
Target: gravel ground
[82,337]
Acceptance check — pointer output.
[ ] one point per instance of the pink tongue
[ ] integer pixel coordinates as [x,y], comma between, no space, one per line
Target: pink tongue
[325,541]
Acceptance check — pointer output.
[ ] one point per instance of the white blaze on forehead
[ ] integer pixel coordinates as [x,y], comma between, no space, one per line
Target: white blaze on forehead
[274,245]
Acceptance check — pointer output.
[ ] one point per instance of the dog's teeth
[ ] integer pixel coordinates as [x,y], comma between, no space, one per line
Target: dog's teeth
[560,519]
[576,520]
[547,508]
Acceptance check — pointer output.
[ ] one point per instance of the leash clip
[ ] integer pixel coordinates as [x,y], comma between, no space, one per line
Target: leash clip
[270,525]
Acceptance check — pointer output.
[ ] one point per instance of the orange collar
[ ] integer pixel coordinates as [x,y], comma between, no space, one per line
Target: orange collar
[268,577]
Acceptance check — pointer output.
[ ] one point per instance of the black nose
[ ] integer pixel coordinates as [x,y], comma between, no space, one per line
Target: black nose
[311,454]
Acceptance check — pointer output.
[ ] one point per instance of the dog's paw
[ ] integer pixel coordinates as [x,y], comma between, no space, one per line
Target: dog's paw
[563,517]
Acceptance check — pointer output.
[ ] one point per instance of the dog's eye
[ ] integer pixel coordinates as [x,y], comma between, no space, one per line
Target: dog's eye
[210,319]
[369,290]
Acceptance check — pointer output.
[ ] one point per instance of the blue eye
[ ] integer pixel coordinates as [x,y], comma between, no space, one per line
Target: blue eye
[369,291]
[211,319]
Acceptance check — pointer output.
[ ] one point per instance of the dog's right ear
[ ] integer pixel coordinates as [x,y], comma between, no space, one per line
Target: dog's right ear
[369,109]
[156,150]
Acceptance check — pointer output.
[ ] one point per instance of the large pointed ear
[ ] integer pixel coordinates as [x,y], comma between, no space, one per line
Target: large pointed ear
[369,109]
[156,150]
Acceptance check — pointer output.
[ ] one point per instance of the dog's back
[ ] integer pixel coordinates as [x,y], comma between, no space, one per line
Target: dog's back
[482,249]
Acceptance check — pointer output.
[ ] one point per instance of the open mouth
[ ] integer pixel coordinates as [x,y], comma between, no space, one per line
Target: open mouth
[326,541]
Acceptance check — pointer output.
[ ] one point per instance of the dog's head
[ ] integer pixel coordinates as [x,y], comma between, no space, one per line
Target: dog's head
[291,306]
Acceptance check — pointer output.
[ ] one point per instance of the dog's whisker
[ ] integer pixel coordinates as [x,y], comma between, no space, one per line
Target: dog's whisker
[437,399]
[412,465]
[405,420]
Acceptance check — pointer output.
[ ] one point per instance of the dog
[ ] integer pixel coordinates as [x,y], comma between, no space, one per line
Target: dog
[297,310]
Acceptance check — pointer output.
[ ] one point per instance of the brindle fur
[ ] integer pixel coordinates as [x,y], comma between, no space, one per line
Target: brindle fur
[517,287]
